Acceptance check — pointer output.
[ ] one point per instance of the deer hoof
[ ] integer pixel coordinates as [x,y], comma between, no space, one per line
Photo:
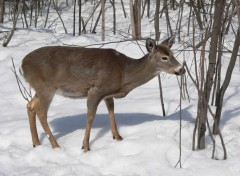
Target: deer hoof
[85,149]
[55,146]
[118,138]
[35,145]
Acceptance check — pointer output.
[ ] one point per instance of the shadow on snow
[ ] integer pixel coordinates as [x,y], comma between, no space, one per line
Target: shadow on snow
[65,125]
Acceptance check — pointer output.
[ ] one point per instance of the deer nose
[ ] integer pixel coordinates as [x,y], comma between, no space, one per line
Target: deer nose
[181,71]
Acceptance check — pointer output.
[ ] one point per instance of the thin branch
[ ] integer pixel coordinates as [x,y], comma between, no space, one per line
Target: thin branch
[213,140]
[60,17]
[210,111]
[14,24]
[24,92]
[161,94]
[180,126]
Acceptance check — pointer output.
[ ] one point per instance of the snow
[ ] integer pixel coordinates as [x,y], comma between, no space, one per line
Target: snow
[150,143]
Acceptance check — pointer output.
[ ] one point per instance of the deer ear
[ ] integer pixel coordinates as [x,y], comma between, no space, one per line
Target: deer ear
[150,45]
[169,41]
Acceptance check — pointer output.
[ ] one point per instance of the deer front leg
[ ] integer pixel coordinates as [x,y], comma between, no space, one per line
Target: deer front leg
[31,110]
[110,106]
[92,104]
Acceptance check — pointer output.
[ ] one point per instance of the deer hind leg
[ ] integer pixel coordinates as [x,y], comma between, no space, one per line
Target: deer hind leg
[42,109]
[110,106]
[92,104]
[31,110]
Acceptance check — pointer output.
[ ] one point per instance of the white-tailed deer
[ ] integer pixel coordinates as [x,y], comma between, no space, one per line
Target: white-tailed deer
[97,74]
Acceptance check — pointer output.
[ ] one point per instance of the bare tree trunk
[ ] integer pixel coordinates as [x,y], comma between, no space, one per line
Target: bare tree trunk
[135,12]
[36,13]
[161,95]
[148,8]
[24,13]
[90,16]
[124,12]
[189,21]
[14,23]
[74,17]
[114,16]
[217,81]
[156,20]
[31,12]
[202,112]
[2,10]
[168,18]
[80,17]
[144,6]
[237,4]
[157,37]
[103,19]
[179,22]
[197,14]
[56,2]
[146,2]
[96,23]
[59,16]
[225,84]
[49,3]
[132,18]
[173,4]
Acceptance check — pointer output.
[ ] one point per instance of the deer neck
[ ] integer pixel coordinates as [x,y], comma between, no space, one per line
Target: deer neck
[138,72]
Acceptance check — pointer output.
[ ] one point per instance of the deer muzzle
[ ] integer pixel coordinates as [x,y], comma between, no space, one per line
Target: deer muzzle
[180,71]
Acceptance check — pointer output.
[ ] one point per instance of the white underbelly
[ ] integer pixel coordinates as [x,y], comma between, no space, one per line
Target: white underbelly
[71,93]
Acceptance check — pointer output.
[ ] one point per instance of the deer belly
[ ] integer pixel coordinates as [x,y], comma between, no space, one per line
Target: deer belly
[71,93]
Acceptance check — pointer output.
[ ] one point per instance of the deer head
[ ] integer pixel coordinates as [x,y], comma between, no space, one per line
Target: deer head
[163,58]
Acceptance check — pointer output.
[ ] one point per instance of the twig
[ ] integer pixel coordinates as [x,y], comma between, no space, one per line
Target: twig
[14,24]
[194,134]
[207,51]
[161,94]
[97,44]
[180,126]
[60,17]
[213,140]
[24,92]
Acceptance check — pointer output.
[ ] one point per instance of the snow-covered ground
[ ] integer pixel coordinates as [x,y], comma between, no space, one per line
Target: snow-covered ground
[151,141]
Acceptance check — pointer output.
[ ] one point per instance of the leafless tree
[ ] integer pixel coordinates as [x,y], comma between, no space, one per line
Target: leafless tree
[135,13]
[156,21]
[2,7]
[124,11]
[74,17]
[221,92]
[114,16]
[203,107]
[80,17]
[103,18]
[147,3]
[19,9]
[237,4]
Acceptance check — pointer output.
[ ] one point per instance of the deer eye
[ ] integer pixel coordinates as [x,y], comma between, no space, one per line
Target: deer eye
[164,58]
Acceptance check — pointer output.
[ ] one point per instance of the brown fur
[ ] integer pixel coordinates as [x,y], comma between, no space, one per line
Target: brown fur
[98,74]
